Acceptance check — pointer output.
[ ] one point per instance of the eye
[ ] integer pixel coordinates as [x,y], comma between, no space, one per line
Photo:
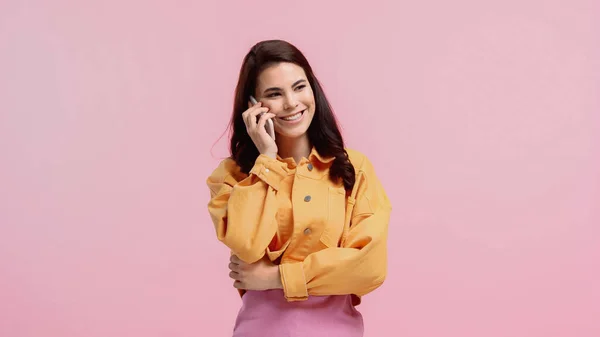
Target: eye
[273,94]
[300,87]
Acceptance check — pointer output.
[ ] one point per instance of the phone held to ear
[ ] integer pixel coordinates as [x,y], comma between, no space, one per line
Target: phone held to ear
[269,124]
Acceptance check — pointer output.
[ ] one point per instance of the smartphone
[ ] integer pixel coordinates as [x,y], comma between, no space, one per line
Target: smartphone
[268,124]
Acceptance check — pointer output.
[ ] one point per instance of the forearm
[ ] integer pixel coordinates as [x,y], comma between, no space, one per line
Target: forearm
[335,271]
[244,212]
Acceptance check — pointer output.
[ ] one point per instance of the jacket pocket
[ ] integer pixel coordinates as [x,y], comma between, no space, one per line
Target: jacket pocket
[336,216]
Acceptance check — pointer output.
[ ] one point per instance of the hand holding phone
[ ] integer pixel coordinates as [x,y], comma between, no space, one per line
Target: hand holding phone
[260,128]
[269,123]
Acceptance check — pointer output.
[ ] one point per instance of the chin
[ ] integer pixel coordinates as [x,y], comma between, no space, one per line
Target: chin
[292,135]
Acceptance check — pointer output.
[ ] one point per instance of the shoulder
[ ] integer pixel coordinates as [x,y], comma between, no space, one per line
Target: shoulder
[227,169]
[359,160]
[368,184]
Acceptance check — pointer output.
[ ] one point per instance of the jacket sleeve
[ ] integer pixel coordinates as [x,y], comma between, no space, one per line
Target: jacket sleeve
[243,207]
[359,265]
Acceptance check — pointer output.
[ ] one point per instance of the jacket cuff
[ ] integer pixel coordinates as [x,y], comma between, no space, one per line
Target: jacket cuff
[294,282]
[269,170]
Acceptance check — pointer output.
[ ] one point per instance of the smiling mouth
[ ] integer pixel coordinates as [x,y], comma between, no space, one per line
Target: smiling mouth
[294,116]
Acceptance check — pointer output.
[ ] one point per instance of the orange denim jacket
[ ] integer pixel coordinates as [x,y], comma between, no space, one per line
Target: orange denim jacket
[327,242]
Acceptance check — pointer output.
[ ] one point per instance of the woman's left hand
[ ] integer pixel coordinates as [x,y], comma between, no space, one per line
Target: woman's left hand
[261,275]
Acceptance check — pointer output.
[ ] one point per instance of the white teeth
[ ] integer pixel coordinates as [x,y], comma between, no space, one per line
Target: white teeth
[293,118]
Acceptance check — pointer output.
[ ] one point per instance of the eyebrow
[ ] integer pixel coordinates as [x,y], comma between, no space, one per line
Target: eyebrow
[277,89]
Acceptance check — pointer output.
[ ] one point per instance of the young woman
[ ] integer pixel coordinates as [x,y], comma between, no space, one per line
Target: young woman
[305,218]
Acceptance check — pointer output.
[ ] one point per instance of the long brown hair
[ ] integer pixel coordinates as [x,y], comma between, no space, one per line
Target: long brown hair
[323,132]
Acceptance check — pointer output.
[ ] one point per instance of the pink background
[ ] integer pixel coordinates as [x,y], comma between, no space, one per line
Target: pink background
[482,120]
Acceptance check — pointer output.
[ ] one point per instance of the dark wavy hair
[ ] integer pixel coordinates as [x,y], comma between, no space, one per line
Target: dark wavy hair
[323,132]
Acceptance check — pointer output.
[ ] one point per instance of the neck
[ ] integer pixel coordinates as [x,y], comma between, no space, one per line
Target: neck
[294,147]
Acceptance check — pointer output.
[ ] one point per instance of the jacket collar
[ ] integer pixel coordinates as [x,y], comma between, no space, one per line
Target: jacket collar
[314,155]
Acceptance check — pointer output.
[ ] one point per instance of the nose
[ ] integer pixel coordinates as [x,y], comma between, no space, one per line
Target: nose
[290,102]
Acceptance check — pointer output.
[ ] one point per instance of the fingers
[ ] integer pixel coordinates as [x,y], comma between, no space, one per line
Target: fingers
[250,104]
[251,107]
[235,259]
[235,276]
[237,283]
[263,119]
[234,267]
[249,116]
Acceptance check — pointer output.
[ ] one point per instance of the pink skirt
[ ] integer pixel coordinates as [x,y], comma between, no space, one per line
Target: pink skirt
[267,313]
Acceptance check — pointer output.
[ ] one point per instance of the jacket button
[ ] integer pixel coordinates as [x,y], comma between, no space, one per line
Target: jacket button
[310,167]
[307,198]
[307,231]
[267,170]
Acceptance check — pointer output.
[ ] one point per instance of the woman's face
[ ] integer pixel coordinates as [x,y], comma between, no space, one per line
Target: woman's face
[285,90]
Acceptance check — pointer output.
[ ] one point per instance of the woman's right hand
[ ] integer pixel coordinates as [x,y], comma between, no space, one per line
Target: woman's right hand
[256,130]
